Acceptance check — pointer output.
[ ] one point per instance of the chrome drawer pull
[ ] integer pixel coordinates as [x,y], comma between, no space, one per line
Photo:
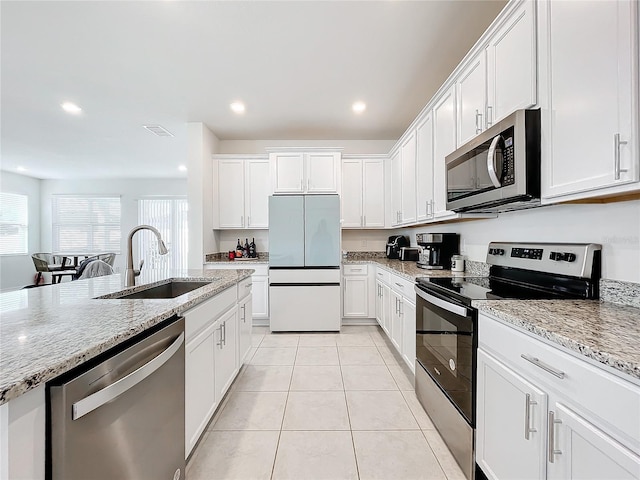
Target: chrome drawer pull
[544,366]
[552,437]
[527,416]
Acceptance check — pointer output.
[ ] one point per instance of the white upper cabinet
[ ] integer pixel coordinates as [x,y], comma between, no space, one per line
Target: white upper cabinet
[305,172]
[444,136]
[351,201]
[589,98]
[471,87]
[408,156]
[424,168]
[396,188]
[243,192]
[512,63]
[373,193]
[231,193]
[362,199]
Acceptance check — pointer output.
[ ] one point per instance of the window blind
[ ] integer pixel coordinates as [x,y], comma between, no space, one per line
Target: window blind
[169,216]
[86,224]
[14,224]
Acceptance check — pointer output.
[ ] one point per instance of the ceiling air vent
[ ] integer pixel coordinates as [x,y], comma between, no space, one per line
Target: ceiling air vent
[158,130]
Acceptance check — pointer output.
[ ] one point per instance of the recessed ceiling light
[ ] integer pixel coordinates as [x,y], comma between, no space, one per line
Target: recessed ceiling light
[359,107]
[182,168]
[21,169]
[71,107]
[237,107]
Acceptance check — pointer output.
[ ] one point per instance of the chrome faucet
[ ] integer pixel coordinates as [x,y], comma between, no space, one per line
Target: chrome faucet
[131,272]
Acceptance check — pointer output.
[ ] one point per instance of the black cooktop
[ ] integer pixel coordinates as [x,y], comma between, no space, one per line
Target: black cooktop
[466,289]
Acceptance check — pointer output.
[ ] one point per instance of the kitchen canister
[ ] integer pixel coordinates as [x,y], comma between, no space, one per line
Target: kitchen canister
[457,263]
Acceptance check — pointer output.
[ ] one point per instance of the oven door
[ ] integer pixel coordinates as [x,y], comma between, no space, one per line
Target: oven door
[446,343]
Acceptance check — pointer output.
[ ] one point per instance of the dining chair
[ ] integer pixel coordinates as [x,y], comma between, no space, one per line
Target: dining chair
[57,265]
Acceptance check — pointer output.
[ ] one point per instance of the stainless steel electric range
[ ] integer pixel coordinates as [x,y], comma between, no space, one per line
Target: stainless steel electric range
[446,325]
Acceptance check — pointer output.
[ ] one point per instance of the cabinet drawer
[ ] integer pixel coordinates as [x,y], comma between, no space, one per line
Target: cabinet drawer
[355,269]
[244,287]
[403,287]
[607,400]
[382,275]
[208,311]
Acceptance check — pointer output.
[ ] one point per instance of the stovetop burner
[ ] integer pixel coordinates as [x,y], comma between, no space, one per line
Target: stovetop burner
[527,272]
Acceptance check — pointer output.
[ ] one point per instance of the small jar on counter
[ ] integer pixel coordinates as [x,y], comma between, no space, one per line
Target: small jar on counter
[457,263]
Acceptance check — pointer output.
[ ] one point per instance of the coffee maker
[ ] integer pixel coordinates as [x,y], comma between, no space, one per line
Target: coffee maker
[394,244]
[437,249]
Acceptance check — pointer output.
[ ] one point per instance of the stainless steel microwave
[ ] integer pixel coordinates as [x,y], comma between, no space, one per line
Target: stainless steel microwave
[499,170]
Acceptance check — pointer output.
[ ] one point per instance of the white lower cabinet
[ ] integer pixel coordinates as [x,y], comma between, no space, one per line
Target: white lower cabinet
[542,413]
[226,364]
[245,327]
[409,333]
[357,291]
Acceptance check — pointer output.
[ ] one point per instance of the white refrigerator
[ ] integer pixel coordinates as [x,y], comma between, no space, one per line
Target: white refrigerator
[304,263]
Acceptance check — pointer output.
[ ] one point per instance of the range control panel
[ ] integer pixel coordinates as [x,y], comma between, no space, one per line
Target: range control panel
[574,259]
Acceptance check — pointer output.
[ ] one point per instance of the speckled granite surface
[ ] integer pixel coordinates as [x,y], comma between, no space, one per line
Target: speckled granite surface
[408,270]
[47,331]
[603,331]
[223,257]
[623,293]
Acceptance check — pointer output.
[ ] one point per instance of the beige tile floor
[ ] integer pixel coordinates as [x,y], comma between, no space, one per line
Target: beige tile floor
[322,407]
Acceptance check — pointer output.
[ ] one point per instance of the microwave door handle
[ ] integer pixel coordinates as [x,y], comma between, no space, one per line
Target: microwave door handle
[491,162]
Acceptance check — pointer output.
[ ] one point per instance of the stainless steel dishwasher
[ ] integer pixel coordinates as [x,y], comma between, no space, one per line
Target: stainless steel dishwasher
[123,417]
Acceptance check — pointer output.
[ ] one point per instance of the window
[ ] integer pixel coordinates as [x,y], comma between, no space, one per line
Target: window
[13,224]
[86,224]
[169,216]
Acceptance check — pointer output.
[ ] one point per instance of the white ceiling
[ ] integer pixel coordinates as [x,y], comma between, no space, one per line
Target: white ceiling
[298,66]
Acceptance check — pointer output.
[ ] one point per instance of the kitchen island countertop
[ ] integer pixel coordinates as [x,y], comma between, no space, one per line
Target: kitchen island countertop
[49,330]
[602,331]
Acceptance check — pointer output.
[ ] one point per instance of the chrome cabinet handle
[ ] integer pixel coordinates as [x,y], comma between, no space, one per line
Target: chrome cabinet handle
[492,168]
[478,122]
[244,313]
[364,220]
[527,416]
[552,437]
[301,185]
[489,119]
[379,274]
[308,184]
[248,221]
[99,398]
[400,285]
[242,220]
[544,366]
[224,331]
[400,311]
[220,342]
[616,155]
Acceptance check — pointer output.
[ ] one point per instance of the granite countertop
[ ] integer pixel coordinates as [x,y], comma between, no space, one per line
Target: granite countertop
[239,262]
[605,332]
[408,270]
[49,330]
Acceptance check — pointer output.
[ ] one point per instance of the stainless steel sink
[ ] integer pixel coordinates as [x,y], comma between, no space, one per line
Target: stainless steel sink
[171,289]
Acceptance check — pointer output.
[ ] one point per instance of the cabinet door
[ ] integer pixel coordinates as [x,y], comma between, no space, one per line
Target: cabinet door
[585,452]
[199,385]
[351,199]
[408,313]
[444,125]
[470,96]
[408,156]
[260,294]
[356,296]
[322,172]
[588,92]
[386,309]
[512,64]
[245,319]
[396,331]
[287,172]
[226,366]
[396,188]
[231,193]
[372,193]
[379,310]
[511,416]
[257,191]
[424,168]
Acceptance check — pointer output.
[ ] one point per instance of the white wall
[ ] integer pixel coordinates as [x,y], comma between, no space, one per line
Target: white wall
[16,271]
[365,240]
[130,191]
[201,144]
[349,146]
[615,225]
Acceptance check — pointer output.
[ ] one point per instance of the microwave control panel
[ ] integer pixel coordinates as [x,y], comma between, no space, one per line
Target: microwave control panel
[508,170]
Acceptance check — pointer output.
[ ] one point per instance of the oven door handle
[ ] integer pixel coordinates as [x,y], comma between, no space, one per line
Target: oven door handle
[491,162]
[450,307]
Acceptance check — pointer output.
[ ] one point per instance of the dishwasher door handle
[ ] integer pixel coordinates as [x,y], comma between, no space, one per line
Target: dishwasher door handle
[99,398]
